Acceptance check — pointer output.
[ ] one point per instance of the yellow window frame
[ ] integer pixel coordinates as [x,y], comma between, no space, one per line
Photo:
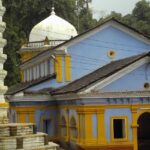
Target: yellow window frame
[125,118]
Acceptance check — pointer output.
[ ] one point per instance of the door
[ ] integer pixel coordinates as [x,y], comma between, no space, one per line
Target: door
[144,132]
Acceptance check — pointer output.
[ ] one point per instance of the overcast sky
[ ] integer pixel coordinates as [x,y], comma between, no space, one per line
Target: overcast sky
[103,7]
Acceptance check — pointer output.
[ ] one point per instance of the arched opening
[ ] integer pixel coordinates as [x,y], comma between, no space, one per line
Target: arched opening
[144,131]
[63,127]
[73,128]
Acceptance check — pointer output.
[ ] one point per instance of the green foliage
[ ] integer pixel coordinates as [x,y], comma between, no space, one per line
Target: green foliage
[139,19]
[22,15]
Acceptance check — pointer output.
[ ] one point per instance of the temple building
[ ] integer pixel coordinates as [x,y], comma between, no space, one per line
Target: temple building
[89,91]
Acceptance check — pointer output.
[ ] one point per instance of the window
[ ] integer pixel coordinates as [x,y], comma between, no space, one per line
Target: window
[119,128]
[73,128]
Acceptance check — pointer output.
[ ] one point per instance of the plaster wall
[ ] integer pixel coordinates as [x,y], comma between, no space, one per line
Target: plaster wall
[139,77]
[117,112]
[91,53]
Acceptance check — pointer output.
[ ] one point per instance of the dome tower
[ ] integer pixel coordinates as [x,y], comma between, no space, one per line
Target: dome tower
[53,27]
[50,32]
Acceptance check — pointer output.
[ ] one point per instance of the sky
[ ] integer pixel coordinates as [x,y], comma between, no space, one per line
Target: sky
[103,7]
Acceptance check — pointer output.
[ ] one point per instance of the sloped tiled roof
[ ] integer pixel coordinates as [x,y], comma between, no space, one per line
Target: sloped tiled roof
[98,75]
[23,86]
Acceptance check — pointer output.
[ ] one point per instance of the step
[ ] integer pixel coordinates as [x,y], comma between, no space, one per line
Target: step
[16,129]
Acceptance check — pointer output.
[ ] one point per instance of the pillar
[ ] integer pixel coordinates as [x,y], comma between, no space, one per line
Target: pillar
[101,126]
[134,127]
[3,73]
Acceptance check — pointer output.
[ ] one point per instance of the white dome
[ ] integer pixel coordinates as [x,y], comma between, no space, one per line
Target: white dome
[54,27]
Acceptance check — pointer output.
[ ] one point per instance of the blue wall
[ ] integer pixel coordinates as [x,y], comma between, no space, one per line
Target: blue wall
[91,53]
[138,77]
[94,125]
[117,112]
[49,114]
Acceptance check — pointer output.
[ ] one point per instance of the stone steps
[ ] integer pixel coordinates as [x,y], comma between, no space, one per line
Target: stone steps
[16,129]
[24,137]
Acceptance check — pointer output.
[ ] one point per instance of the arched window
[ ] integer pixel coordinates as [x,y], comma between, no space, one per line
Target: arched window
[73,128]
[63,126]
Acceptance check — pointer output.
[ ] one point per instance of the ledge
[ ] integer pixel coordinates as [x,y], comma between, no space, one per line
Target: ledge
[4,105]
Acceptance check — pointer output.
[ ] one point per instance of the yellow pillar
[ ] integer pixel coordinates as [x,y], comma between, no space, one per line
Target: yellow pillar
[58,68]
[88,128]
[68,68]
[134,127]
[101,126]
[31,117]
[67,125]
[21,117]
[81,131]
[22,75]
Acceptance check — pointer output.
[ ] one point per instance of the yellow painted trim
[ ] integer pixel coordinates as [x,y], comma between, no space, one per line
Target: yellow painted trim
[106,146]
[26,56]
[88,128]
[21,117]
[95,108]
[126,129]
[134,126]
[58,68]
[68,68]
[90,108]
[22,75]
[31,117]
[32,108]
[81,125]
[4,105]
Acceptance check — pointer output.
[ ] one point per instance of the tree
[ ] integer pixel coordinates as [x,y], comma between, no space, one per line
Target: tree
[139,19]
[142,10]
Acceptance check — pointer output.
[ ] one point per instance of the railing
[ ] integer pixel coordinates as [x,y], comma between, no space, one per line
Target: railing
[38,44]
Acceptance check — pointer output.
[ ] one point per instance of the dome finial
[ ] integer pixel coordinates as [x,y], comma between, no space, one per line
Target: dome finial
[53,11]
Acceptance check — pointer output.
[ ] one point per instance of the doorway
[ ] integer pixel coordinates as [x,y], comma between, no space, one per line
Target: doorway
[144,132]
[46,126]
